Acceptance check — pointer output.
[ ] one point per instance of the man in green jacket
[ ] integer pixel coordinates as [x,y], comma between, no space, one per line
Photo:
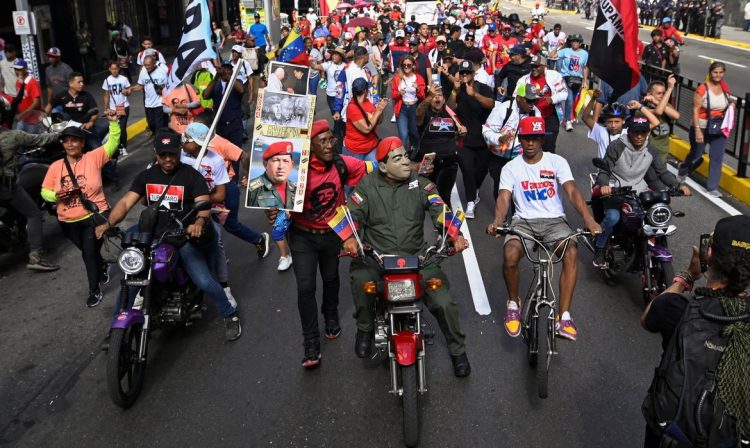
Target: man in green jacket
[390,207]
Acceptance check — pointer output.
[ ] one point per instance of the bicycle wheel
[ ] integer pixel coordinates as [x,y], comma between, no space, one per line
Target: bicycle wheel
[529,332]
[544,352]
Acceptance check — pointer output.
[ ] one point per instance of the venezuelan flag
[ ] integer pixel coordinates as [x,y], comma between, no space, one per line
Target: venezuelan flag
[435,199]
[453,223]
[341,224]
[293,50]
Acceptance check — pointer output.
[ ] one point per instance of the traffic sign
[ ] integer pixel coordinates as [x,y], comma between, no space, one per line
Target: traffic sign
[23,23]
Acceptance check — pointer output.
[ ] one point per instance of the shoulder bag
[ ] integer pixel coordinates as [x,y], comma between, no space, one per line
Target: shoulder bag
[89,205]
[713,124]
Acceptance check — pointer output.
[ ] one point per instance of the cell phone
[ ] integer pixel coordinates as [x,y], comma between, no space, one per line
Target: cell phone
[427,162]
[436,78]
[705,243]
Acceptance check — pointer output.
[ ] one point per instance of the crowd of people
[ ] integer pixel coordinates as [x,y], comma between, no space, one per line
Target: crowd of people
[690,17]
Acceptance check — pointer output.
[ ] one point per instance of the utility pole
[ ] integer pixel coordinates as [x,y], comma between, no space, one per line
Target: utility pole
[28,40]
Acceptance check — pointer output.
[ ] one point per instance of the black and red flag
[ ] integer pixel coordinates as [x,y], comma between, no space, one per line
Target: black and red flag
[613,56]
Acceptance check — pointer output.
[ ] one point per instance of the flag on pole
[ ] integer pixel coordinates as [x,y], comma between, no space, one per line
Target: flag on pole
[342,224]
[293,50]
[195,45]
[453,222]
[613,56]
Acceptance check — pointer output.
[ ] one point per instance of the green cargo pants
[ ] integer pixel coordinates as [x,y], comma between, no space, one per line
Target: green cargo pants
[440,303]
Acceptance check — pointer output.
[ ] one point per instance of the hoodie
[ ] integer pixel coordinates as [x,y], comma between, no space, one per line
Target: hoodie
[638,168]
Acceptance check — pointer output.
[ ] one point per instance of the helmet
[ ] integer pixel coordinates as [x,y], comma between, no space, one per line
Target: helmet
[616,110]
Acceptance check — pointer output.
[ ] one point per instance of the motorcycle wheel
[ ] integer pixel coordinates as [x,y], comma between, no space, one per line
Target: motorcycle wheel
[410,403]
[543,347]
[125,374]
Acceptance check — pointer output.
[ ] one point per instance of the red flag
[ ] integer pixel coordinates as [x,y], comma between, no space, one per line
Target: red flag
[613,56]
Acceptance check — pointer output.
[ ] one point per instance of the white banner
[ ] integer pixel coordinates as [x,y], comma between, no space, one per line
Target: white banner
[195,45]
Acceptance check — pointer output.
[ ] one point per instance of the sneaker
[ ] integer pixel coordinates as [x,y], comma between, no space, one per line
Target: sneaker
[599,258]
[230,297]
[393,118]
[512,321]
[312,353]
[104,278]
[333,328]
[262,246]
[285,263]
[569,126]
[123,151]
[566,328]
[95,297]
[469,213]
[37,262]
[714,193]
[234,328]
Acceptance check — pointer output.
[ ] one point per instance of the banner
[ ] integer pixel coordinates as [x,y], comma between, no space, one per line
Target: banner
[195,45]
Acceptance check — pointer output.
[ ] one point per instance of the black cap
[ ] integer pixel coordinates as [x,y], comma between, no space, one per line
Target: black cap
[465,66]
[167,141]
[73,132]
[639,124]
[731,234]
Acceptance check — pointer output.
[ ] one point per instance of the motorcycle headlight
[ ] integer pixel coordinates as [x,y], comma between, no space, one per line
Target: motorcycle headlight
[402,291]
[131,261]
[659,214]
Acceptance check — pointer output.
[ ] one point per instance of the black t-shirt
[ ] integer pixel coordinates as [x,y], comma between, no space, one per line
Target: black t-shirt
[653,55]
[513,72]
[445,83]
[472,114]
[186,186]
[664,315]
[76,107]
[438,134]
[386,24]
[423,63]
[458,47]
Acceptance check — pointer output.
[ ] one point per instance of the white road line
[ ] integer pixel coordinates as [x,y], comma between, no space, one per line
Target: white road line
[722,60]
[590,28]
[716,201]
[476,284]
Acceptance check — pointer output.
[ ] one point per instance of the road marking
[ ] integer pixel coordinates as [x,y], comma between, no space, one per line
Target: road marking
[716,201]
[474,275]
[722,60]
[590,28]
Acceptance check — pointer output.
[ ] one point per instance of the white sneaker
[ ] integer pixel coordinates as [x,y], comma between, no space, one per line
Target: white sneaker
[714,193]
[469,213]
[285,263]
[393,118]
[230,297]
[569,126]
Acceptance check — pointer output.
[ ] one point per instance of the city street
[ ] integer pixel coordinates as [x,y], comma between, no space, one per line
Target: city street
[203,391]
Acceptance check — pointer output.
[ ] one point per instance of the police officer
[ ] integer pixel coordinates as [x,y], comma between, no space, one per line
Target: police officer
[278,162]
[390,207]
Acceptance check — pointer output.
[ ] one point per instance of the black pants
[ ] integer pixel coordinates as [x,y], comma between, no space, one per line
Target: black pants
[552,126]
[25,205]
[496,168]
[156,118]
[474,163]
[445,170]
[311,252]
[81,233]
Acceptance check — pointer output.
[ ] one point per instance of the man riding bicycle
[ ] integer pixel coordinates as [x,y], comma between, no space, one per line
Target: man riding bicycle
[634,164]
[533,182]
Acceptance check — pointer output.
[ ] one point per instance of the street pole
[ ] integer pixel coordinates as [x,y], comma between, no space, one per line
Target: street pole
[28,43]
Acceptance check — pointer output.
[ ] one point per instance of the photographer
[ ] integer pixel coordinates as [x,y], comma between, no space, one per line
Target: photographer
[151,80]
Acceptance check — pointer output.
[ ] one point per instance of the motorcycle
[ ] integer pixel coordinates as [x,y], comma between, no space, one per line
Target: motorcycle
[167,297]
[639,242]
[400,332]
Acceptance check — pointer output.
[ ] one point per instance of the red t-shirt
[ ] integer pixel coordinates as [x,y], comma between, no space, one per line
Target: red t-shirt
[281,189]
[354,140]
[544,91]
[32,90]
[335,29]
[324,192]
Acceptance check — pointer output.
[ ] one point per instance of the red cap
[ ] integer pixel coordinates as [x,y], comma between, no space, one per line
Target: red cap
[318,127]
[278,148]
[387,145]
[531,126]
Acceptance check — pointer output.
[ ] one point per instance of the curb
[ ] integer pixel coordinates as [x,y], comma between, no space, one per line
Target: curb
[736,186]
[137,128]
[710,40]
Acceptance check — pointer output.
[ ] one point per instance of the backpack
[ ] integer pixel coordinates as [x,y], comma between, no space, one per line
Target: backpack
[341,168]
[683,403]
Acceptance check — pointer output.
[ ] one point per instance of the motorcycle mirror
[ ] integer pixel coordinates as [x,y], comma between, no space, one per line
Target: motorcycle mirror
[202,206]
[601,164]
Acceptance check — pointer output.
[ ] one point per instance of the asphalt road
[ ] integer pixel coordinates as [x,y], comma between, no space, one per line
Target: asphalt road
[202,391]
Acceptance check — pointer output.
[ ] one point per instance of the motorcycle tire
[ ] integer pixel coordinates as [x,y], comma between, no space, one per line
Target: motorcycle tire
[124,367]
[543,349]
[410,402]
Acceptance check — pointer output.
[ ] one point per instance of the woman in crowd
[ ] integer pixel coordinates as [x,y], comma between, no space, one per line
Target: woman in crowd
[710,103]
[74,183]
[217,37]
[116,91]
[407,90]
[362,119]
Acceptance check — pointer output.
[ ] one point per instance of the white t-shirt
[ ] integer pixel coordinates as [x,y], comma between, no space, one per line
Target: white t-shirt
[482,76]
[115,86]
[536,188]
[332,73]
[316,58]
[212,168]
[410,89]
[245,70]
[601,136]
[554,42]
[159,76]
[353,72]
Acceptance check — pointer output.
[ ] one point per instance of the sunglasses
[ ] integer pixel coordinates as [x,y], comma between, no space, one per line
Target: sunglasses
[469,38]
[407,65]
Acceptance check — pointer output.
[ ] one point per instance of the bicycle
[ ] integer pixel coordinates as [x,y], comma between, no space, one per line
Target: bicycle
[537,299]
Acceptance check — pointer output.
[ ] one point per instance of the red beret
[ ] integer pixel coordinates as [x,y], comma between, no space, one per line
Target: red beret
[277,148]
[318,127]
[531,126]
[387,145]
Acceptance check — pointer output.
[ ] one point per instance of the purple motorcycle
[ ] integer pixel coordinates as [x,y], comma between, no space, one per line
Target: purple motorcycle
[166,297]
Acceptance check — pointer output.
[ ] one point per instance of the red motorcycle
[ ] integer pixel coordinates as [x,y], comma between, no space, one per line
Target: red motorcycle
[399,330]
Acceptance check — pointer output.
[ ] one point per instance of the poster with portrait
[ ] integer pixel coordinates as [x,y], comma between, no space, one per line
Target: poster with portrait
[288,78]
[278,173]
[283,114]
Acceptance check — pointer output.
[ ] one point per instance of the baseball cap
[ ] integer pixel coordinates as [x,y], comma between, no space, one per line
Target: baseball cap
[731,234]
[20,64]
[257,15]
[538,59]
[518,49]
[387,145]
[274,149]
[492,27]
[197,132]
[577,37]
[319,127]
[167,141]
[447,53]
[440,39]
[237,48]
[531,126]
[465,66]
[54,52]
[528,91]
[73,131]
[413,41]
[666,20]
[639,124]
[400,33]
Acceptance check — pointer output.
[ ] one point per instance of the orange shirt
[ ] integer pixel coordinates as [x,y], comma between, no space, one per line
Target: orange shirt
[88,172]
[181,96]
[227,150]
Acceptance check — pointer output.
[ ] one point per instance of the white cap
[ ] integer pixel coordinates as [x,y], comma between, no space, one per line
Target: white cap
[348,36]
[400,33]
[310,10]
[238,48]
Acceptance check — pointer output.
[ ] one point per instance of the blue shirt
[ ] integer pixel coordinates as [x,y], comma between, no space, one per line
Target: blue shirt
[233,108]
[259,31]
[571,62]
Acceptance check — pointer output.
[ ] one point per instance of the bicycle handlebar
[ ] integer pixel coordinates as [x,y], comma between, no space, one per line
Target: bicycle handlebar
[507,230]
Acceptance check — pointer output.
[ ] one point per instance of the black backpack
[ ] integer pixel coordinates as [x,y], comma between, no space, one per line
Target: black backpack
[683,403]
[340,165]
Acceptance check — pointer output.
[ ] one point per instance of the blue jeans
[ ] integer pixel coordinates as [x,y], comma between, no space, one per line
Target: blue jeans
[611,218]
[233,224]
[407,126]
[312,87]
[199,262]
[716,145]
[572,92]
[338,126]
